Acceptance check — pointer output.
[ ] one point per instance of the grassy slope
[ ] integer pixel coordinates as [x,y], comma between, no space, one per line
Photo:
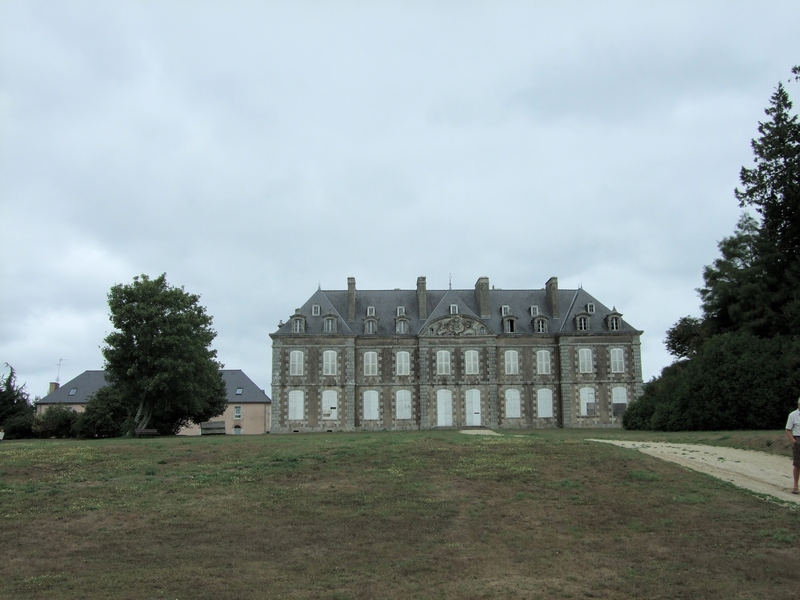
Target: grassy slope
[395,515]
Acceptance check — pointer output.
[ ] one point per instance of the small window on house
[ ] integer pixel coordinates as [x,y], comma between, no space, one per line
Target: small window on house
[402,326]
[534,310]
[298,326]
[504,310]
[237,430]
[370,311]
[370,327]
[454,309]
[330,325]
[613,323]
[583,323]
[315,310]
[401,310]
[237,412]
[540,325]
[239,391]
[73,391]
[509,326]
[590,308]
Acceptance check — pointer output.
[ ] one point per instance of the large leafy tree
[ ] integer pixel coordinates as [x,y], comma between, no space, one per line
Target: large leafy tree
[159,360]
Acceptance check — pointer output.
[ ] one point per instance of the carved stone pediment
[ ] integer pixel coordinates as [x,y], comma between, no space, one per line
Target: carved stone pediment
[456,326]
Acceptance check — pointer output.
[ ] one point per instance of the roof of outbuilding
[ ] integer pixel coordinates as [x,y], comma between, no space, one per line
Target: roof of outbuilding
[87,383]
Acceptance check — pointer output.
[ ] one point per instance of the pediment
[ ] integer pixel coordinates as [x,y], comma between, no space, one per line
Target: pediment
[455,326]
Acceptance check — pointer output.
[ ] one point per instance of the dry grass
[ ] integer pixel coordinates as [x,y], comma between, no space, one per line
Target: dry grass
[386,515]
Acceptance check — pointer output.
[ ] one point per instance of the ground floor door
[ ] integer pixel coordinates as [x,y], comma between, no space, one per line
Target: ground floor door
[444,408]
[472,413]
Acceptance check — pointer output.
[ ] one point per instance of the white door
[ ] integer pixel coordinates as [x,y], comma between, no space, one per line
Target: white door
[330,405]
[444,408]
[473,408]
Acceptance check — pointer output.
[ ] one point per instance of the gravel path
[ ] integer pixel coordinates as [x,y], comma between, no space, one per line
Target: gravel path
[757,471]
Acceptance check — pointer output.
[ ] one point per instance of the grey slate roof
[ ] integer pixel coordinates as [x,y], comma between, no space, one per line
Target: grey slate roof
[88,382]
[571,302]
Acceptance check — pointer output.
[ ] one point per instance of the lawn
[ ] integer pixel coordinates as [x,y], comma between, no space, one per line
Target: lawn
[434,514]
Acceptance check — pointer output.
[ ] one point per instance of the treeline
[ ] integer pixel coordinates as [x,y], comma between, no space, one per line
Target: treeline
[738,365]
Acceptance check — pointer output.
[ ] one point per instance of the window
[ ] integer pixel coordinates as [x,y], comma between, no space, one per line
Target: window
[534,310]
[315,310]
[237,430]
[543,362]
[617,360]
[402,405]
[370,311]
[509,326]
[371,405]
[239,391]
[613,323]
[73,391]
[504,310]
[370,326]
[583,323]
[454,309]
[329,362]
[402,326]
[237,412]
[298,325]
[544,404]
[296,408]
[329,325]
[585,360]
[512,404]
[370,363]
[403,363]
[619,401]
[443,362]
[296,362]
[471,366]
[401,311]
[330,405]
[512,362]
[587,402]
[540,325]
[590,308]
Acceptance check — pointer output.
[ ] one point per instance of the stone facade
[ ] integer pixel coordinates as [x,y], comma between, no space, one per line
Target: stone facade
[351,360]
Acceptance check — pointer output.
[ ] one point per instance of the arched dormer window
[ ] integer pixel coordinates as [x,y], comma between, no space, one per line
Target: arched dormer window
[329,324]
[298,322]
[540,325]
[582,321]
[370,325]
[509,324]
[614,320]
[401,324]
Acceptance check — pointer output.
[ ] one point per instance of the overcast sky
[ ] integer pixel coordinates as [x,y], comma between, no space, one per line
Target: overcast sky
[254,151]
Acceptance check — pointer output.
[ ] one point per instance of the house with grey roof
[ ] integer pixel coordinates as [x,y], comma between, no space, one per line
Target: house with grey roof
[248,410]
[349,360]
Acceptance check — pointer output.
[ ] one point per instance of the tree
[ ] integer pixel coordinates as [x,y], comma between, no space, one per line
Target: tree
[685,338]
[14,400]
[159,359]
[106,415]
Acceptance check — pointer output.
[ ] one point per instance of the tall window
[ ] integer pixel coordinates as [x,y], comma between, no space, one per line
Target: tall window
[402,403]
[544,403]
[512,362]
[371,405]
[370,363]
[443,362]
[512,404]
[237,412]
[617,360]
[585,360]
[543,362]
[296,411]
[471,366]
[329,362]
[619,401]
[403,363]
[296,362]
[330,405]
[588,406]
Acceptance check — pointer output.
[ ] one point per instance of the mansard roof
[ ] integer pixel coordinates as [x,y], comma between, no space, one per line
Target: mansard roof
[570,302]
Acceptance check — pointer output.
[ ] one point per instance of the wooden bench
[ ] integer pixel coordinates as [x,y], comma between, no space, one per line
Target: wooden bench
[146,432]
[212,428]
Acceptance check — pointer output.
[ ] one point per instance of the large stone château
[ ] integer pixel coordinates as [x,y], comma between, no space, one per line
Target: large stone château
[350,360]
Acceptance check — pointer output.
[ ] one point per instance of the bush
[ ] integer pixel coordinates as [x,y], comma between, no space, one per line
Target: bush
[106,416]
[56,422]
[19,426]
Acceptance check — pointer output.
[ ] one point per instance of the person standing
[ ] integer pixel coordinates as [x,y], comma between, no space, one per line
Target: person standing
[793,433]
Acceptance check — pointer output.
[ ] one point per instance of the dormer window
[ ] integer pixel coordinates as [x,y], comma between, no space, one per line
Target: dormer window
[540,325]
[504,310]
[582,323]
[239,391]
[298,325]
[73,391]
[329,325]
[534,310]
[590,308]
[315,310]
[401,326]
[401,311]
[613,323]
[371,326]
[509,325]
[370,311]
[454,309]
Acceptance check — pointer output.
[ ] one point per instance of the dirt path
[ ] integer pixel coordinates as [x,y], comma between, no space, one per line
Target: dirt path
[757,471]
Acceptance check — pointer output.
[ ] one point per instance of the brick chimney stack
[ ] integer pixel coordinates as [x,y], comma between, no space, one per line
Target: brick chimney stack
[422,298]
[351,298]
[551,291]
[482,296]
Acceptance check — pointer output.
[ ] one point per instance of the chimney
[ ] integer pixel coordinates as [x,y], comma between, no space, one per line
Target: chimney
[54,385]
[422,298]
[351,298]
[551,291]
[482,296]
